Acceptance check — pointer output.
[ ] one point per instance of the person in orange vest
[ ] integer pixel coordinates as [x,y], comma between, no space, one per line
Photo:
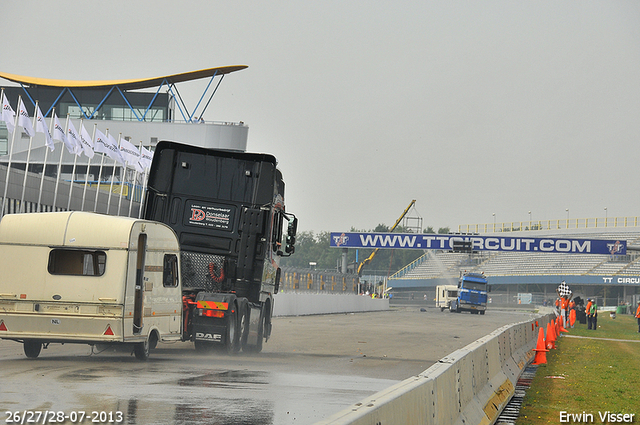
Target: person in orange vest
[564,308]
[586,312]
[564,305]
[572,313]
[638,315]
[592,314]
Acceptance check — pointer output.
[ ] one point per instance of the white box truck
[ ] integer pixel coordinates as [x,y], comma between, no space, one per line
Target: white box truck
[78,277]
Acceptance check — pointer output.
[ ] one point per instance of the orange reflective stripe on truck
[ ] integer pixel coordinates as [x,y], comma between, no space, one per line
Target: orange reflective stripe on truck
[213,305]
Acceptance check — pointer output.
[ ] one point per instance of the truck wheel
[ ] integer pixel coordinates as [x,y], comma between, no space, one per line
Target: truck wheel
[141,349]
[232,339]
[258,347]
[32,348]
[453,307]
[482,312]
[243,326]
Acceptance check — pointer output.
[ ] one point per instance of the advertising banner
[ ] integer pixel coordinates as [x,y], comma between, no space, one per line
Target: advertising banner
[477,243]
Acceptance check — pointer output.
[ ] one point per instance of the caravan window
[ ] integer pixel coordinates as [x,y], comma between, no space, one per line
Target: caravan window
[170,272]
[77,262]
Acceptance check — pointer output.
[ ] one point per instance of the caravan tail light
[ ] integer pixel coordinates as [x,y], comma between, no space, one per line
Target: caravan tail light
[109,331]
[3,327]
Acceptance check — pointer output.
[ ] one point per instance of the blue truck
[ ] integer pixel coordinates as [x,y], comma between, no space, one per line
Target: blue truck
[472,294]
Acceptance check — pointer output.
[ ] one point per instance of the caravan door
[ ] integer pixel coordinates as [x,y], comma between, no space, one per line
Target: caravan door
[138,305]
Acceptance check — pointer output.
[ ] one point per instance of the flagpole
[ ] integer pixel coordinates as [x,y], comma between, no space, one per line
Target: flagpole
[86,179]
[6,182]
[113,173]
[144,191]
[26,168]
[59,171]
[124,176]
[95,204]
[44,164]
[73,171]
[133,191]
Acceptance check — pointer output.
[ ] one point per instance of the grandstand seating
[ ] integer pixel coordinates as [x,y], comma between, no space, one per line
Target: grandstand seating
[444,264]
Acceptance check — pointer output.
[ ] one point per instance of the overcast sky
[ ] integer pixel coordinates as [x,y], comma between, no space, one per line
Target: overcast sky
[470,108]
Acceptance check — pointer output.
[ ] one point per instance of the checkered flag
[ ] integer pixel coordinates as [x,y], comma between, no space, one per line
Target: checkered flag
[563,289]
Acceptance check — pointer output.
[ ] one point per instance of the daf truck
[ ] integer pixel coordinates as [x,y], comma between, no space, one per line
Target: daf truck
[227,210]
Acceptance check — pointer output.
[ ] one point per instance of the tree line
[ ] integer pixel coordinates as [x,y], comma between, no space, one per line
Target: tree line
[313,251]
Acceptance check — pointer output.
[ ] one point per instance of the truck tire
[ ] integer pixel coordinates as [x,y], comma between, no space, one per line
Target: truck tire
[32,348]
[482,312]
[232,339]
[243,325]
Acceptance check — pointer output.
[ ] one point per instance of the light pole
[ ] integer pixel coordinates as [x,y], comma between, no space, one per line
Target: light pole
[530,221]
[606,216]
[494,222]
[567,217]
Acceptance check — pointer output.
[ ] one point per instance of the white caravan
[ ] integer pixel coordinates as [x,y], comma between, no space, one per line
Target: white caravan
[77,277]
[445,294]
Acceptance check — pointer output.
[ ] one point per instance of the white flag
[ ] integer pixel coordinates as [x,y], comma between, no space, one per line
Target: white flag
[41,127]
[106,146]
[87,142]
[139,167]
[146,157]
[8,115]
[129,152]
[23,119]
[59,134]
[74,139]
[113,142]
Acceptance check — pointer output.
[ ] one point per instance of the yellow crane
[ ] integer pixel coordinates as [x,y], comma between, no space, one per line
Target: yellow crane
[375,251]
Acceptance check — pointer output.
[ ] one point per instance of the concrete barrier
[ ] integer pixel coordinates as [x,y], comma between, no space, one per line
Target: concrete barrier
[470,386]
[300,304]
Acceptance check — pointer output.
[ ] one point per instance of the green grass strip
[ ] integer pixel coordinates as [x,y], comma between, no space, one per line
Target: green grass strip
[590,372]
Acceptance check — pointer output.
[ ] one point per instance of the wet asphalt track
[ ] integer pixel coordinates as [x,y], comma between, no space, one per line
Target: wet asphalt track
[312,367]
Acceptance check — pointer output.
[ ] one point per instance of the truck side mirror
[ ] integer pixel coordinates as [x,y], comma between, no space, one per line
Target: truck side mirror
[291,236]
[292,228]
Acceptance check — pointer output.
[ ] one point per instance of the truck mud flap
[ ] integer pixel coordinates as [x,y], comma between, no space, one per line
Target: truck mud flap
[211,315]
[256,319]
[210,332]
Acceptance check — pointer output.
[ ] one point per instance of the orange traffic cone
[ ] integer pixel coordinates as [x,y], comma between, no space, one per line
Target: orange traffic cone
[541,351]
[572,317]
[551,336]
[561,326]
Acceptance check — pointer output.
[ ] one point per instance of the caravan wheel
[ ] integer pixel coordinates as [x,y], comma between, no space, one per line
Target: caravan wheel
[142,349]
[32,348]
